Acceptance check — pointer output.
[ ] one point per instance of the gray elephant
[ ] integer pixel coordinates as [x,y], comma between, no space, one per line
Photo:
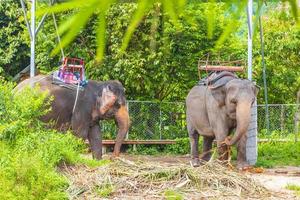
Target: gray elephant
[216,107]
[98,101]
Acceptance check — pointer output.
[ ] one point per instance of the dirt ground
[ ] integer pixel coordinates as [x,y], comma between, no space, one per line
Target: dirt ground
[275,179]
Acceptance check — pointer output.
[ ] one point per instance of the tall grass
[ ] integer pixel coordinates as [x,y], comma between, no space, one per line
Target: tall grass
[30,153]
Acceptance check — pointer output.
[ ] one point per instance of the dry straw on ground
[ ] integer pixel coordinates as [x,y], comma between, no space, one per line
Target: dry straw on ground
[124,179]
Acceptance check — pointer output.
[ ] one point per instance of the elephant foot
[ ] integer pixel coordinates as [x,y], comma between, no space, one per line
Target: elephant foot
[243,166]
[205,158]
[195,162]
[114,156]
[97,155]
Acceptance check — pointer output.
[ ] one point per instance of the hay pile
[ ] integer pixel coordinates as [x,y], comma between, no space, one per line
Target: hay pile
[124,179]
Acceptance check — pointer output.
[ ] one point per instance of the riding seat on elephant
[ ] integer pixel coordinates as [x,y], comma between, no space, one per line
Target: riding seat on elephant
[81,110]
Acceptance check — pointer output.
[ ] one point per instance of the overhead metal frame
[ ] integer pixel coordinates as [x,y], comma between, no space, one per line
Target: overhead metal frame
[33,31]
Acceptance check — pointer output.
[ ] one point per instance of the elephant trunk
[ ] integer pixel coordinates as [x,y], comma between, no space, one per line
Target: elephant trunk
[243,117]
[122,120]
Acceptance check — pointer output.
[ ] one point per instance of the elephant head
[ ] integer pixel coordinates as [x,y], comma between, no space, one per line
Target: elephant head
[111,103]
[237,97]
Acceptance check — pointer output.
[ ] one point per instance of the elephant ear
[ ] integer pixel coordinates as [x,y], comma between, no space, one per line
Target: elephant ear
[219,94]
[218,89]
[106,100]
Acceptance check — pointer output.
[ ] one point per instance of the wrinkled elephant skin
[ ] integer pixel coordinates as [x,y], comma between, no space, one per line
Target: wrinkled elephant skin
[98,101]
[215,112]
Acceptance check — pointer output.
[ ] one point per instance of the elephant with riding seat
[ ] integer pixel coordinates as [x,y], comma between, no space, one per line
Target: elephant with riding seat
[97,101]
[216,109]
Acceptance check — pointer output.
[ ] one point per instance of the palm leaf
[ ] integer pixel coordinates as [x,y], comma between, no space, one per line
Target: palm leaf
[61,7]
[77,23]
[240,7]
[210,18]
[72,26]
[100,33]
[294,8]
[143,7]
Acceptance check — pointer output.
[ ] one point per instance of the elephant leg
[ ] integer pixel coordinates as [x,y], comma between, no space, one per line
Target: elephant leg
[95,140]
[194,140]
[207,146]
[122,121]
[241,153]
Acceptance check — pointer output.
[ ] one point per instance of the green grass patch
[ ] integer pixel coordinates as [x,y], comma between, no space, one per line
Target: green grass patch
[295,188]
[105,190]
[271,154]
[92,162]
[172,195]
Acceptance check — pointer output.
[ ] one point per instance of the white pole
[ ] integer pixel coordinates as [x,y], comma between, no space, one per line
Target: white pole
[250,32]
[32,43]
[251,146]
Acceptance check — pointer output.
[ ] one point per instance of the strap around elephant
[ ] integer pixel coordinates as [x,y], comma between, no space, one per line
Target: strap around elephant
[76,98]
[215,76]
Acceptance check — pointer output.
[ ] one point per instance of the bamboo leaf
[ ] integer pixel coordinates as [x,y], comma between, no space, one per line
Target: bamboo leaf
[169,8]
[61,7]
[210,18]
[79,21]
[240,7]
[67,24]
[100,34]
[294,8]
[143,7]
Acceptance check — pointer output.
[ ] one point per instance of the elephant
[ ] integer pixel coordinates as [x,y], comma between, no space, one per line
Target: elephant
[97,101]
[216,107]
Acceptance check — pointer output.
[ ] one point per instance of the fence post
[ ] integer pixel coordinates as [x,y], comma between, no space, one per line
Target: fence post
[297,119]
[160,123]
[281,118]
[127,106]
[296,130]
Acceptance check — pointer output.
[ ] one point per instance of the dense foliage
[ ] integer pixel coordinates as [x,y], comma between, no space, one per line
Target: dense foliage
[14,49]
[29,152]
[282,47]
[161,61]
[160,64]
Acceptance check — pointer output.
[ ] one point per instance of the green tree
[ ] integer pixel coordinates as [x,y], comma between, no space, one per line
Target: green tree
[14,49]
[282,47]
[161,64]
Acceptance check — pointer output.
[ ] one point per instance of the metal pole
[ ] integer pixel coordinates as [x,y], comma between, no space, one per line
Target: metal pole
[249,14]
[251,146]
[127,134]
[40,24]
[262,47]
[32,43]
[160,123]
[56,29]
[25,17]
[297,117]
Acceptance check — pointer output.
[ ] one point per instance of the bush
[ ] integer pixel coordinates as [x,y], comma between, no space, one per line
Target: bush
[278,154]
[30,153]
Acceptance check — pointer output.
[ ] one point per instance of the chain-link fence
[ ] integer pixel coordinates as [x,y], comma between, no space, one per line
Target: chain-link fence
[280,120]
[153,120]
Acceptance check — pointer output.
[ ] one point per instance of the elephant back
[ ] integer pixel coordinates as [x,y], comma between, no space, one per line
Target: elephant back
[217,79]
